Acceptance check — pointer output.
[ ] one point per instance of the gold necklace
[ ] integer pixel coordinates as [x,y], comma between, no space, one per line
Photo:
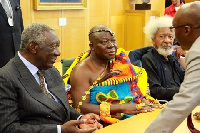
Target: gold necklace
[88,91]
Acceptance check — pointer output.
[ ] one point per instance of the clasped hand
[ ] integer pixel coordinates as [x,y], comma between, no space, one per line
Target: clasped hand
[87,124]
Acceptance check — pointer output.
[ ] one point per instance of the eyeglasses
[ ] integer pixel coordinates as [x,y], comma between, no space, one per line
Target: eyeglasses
[189,26]
[174,27]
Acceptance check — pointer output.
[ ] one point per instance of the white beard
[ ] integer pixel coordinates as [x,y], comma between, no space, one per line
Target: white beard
[165,52]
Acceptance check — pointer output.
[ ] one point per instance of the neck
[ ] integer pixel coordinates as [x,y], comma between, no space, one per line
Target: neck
[99,63]
[28,57]
[166,58]
[177,4]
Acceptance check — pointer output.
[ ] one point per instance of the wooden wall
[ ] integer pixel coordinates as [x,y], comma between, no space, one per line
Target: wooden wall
[74,36]
[187,1]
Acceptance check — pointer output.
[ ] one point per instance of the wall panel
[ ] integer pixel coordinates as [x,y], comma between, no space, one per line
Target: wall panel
[74,36]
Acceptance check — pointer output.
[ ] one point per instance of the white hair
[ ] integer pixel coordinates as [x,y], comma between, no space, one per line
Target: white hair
[154,25]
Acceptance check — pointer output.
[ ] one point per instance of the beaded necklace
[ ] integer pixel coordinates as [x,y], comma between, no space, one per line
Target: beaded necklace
[88,91]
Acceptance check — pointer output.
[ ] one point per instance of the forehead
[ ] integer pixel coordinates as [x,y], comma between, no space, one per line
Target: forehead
[103,35]
[102,29]
[180,17]
[174,22]
[51,36]
[165,30]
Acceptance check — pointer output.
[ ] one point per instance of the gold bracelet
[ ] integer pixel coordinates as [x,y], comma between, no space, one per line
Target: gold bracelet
[105,109]
[156,102]
[139,106]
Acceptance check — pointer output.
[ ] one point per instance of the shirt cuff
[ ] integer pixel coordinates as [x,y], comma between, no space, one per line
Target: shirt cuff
[58,128]
[79,117]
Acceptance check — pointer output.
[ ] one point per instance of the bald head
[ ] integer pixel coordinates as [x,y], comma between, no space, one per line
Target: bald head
[189,14]
[97,29]
[187,24]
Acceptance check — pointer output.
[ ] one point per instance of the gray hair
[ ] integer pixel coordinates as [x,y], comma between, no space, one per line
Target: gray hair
[154,25]
[34,33]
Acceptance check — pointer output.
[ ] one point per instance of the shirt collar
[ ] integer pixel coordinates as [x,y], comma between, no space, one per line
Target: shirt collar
[33,69]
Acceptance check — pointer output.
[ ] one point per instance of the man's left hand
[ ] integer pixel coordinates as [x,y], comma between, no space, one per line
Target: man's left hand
[92,121]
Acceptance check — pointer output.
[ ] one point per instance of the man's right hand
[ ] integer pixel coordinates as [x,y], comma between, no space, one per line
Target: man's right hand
[131,109]
[179,52]
[72,127]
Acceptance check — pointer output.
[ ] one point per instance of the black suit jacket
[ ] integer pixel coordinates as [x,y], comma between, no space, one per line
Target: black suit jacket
[24,108]
[10,37]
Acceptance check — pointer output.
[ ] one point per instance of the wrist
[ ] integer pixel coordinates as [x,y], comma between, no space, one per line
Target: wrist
[105,109]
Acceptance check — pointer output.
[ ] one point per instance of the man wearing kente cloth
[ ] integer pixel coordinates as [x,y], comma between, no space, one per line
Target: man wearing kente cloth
[104,82]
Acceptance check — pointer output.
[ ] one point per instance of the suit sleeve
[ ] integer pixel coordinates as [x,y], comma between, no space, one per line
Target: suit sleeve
[157,91]
[10,112]
[74,114]
[183,102]
[21,19]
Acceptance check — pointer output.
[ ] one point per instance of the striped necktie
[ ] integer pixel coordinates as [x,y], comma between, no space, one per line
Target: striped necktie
[42,85]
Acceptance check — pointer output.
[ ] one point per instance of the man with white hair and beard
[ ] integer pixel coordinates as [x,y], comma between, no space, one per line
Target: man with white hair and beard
[165,74]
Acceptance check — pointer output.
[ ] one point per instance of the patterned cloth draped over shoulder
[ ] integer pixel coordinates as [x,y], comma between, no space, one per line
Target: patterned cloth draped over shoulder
[128,86]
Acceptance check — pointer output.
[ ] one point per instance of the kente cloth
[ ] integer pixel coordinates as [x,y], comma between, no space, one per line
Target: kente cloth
[128,86]
[123,88]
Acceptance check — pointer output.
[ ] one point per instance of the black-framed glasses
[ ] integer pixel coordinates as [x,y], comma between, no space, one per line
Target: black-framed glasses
[174,27]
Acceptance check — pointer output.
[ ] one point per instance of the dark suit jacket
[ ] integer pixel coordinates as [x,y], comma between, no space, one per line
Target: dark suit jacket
[10,37]
[24,108]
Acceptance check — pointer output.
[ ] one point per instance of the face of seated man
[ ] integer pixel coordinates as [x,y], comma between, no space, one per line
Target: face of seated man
[103,44]
[163,41]
[175,2]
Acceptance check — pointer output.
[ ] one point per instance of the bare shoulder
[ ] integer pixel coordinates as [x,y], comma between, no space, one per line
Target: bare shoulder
[82,72]
[82,68]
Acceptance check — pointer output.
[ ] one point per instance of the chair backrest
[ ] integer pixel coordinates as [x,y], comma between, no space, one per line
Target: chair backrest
[66,63]
[136,55]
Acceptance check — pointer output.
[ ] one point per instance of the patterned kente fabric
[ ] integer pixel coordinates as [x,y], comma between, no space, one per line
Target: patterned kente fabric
[128,86]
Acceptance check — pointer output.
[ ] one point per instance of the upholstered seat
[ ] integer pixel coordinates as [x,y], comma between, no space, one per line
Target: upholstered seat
[136,55]
[66,63]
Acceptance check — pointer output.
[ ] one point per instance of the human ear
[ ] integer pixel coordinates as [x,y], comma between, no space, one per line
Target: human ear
[91,46]
[153,41]
[32,47]
[187,30]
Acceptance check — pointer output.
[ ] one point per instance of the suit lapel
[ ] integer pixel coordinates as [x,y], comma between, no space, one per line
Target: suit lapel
[14,5]
[58,91]
[3,13]
[33,88]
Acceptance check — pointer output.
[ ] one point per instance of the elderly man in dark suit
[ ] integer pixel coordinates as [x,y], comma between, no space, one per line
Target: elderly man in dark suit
[11,26]
[32,94]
